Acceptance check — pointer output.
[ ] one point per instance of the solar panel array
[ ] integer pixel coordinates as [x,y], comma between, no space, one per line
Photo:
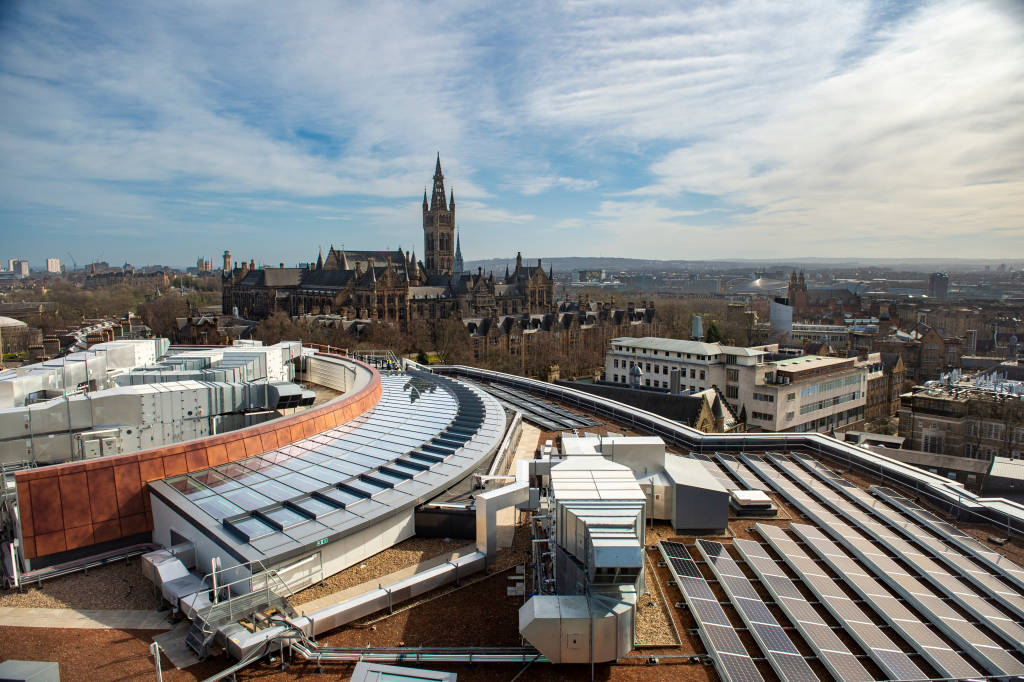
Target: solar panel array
[901,618]
[831,651]
[959,562]
[716,471]
[543,412]
[996,562]
[783,655]
[719,636]
[883,651]
[737,469]
[866,537]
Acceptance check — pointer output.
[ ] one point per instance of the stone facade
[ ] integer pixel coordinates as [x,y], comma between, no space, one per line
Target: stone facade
[963,422]
[391,286]
[580,330]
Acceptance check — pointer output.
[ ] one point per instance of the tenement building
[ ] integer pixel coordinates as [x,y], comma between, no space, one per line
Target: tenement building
[770,391]
[391,286]
[979,417]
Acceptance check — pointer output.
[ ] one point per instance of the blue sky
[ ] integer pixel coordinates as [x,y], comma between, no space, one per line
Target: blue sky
[158,132]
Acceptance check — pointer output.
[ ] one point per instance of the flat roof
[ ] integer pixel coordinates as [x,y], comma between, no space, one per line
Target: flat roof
[805,362]
[670,345]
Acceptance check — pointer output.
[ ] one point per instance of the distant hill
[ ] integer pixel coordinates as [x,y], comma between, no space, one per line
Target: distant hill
[611,264]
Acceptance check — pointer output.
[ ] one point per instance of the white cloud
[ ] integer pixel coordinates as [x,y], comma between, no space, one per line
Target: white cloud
[543,183]
[918,141]
[640,72]
[470,212]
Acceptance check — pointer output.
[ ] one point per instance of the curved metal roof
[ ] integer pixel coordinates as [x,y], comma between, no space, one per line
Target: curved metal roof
[426,433]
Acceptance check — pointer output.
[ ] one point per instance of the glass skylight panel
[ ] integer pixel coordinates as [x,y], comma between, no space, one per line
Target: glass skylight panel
[248,499]
[323,475]
[252,528]
[189,488]
[342,497]
[219,507]
[214,481]
[301,482]
[239,473]
[315,507]
[284,517]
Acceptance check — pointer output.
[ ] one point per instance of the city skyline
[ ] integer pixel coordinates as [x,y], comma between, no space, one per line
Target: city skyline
[728,131]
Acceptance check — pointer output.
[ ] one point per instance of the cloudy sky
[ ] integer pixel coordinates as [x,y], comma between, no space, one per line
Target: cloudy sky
[156,132]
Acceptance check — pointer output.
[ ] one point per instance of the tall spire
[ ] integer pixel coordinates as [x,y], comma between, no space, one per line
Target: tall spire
[320,261]
[425,204]
[451,206]
[437,199]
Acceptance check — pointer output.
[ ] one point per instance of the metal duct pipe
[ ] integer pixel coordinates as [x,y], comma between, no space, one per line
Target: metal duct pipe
[421,655]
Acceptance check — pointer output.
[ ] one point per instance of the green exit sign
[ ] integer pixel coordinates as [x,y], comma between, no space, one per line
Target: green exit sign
[321,542]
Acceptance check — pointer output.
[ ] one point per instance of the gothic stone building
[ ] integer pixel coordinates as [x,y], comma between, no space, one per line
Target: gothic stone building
[391,286]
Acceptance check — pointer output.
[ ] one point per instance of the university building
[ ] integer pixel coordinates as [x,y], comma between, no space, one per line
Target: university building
[771,391]
[391,286]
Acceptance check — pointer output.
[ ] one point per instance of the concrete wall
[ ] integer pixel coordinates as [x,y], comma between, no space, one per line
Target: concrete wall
[166,520]
[74,505]
[340,554]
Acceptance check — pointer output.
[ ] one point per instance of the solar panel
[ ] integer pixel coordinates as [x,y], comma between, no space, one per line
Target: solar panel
[671,549]
[893,662]
[865,541]
[716,471]
[995,562]
[723,644]
[831,651]
[783,655]
[910,627]
[737,469]
[963,566]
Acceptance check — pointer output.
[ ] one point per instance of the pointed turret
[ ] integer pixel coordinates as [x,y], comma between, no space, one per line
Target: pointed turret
[457,264]
[506,273]
[451,204]
[320,261]
[426,206]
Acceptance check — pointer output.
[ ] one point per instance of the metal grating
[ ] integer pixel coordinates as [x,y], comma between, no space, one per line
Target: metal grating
[831,651]
[731,658]
[783,655]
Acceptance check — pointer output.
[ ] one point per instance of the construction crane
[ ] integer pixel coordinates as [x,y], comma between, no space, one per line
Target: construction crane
[73,261]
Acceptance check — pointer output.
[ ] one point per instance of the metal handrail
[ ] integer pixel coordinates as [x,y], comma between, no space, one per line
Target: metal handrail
[269,576]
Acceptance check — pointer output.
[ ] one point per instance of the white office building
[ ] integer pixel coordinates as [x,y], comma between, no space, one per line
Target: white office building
[807,393]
